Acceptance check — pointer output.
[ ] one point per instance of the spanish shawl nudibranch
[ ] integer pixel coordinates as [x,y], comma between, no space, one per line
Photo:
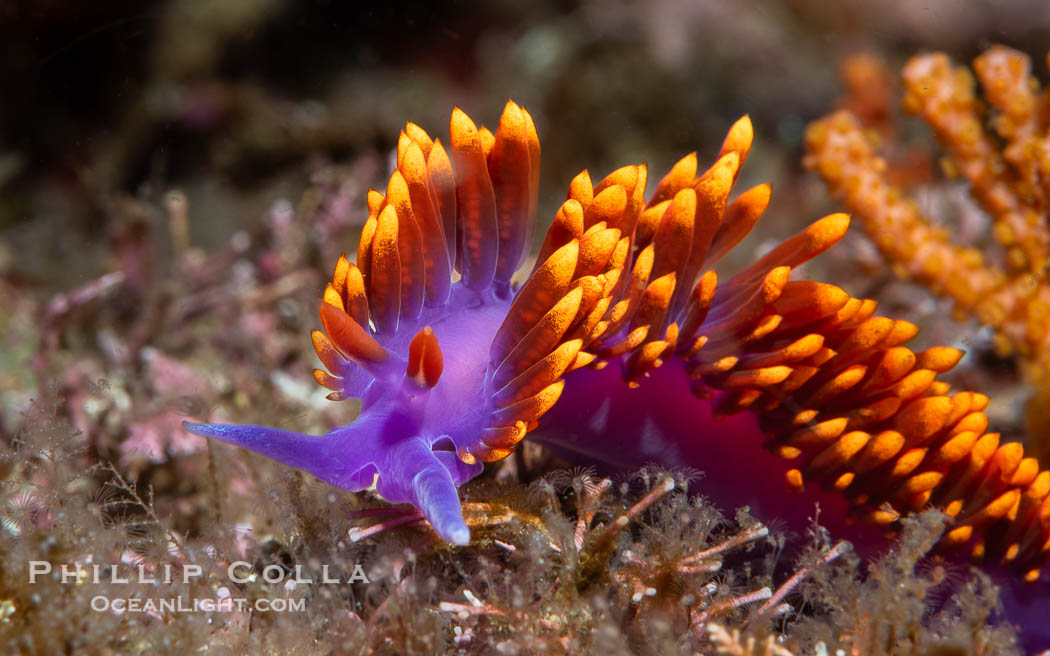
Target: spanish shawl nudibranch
[626,343]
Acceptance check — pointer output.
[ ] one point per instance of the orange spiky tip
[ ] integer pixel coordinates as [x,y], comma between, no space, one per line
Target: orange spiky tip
[425,361]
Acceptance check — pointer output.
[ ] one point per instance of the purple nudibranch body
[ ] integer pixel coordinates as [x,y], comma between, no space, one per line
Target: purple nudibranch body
[623,346]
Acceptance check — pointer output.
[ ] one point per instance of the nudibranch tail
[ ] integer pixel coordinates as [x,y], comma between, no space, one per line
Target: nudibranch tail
[453,373]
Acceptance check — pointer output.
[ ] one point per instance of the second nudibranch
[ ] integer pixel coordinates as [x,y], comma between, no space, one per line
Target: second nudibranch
[626,343]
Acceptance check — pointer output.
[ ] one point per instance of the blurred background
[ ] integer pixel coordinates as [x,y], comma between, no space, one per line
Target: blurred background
[239,103]
[177,177]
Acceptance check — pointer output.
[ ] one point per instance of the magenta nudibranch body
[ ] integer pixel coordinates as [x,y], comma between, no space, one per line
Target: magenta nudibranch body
[623,345]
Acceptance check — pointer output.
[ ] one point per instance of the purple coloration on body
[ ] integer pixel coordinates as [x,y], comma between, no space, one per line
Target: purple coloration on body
[623,344]
[406,435]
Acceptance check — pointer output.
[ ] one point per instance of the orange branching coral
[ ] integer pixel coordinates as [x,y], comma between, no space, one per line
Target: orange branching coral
[869,96]
[869,91]
[1001,147]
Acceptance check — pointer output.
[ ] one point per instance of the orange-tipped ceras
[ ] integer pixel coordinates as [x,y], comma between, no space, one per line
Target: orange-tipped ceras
[622,344]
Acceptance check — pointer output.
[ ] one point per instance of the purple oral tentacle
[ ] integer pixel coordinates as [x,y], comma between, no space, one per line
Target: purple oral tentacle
[345,457]
[412,473]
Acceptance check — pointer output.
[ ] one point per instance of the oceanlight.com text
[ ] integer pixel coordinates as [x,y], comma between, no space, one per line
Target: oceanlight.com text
[101,603]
